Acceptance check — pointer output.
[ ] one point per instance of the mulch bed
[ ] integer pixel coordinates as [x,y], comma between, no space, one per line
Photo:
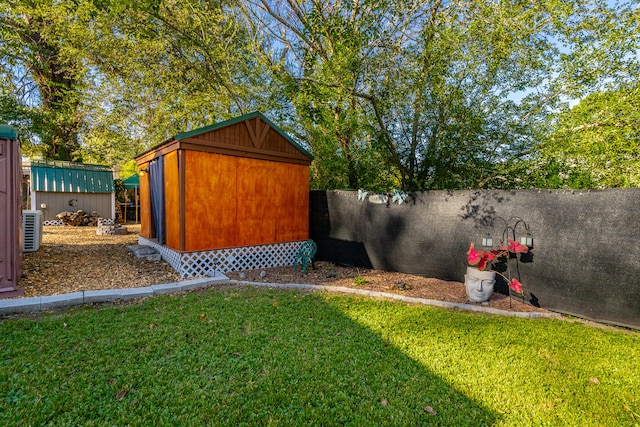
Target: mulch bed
[73,259]
[383,281]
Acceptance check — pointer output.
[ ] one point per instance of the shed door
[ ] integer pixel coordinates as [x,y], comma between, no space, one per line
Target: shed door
[156,190]
[10,213]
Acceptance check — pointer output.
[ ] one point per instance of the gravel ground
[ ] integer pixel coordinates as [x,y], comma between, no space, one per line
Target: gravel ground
[73,259]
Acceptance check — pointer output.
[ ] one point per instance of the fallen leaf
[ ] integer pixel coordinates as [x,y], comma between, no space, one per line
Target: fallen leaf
[121,395]
[203,316]
[151,325]
[275,304]
[384,402]
[430,410]
[594,380]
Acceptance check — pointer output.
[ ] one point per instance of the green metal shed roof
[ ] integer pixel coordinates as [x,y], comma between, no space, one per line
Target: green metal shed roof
[131,182]
[68,177]
[8,132]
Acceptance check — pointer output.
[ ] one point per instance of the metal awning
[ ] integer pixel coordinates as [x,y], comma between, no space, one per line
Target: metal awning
[132,182]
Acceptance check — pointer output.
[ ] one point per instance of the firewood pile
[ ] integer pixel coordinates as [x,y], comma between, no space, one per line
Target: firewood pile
[79,217]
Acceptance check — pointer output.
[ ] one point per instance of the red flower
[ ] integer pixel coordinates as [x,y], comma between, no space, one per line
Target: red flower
[473,256]
[482,264]
[481,259]
[490,256]
[515,285]
[517,247]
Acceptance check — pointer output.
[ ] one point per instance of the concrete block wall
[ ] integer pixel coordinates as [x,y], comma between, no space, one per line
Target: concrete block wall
[585,260]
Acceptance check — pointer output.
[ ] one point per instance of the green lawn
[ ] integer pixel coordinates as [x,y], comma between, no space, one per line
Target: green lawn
[273,357]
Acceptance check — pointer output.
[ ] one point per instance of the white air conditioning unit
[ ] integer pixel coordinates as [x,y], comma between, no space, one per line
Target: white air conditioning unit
[32,222]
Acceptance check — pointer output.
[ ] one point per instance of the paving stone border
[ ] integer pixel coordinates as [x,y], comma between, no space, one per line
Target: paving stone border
[33,304]
[378,294]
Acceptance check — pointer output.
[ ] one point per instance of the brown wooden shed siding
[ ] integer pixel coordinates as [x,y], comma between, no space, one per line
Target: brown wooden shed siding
[256,213]
[10,213]
[210,184]
[172,200]
[233,201]
[145,202]
[236,183]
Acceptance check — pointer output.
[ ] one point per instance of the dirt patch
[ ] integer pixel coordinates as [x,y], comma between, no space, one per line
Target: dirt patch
[73,259]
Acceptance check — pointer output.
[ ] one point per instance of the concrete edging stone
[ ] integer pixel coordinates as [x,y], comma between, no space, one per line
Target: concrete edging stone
[378,294]
[33,304]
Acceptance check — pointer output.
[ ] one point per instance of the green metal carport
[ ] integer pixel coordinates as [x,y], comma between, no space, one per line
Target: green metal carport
[132,183]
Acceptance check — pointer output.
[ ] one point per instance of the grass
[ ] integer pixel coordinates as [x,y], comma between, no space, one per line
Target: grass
[272,357]
[360,281]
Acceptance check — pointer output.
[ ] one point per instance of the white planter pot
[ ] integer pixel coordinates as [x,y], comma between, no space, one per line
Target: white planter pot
[479,284]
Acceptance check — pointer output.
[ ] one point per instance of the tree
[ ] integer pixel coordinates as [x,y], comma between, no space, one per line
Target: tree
[173,66]
[106,79]
[594,144]
[599,140]
[443,94]
[387,94]
[318,53]
[40,77]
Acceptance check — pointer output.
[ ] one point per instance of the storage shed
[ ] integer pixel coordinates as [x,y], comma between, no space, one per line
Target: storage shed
[58,186]
[230,196]
[10,213]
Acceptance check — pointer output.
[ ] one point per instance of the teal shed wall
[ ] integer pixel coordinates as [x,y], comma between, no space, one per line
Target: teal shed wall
[68,177]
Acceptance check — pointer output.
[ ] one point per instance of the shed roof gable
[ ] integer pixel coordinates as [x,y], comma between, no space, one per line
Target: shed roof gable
[240,119]
[250,135]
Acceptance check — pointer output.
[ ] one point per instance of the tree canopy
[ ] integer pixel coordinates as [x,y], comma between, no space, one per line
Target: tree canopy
[41,76]
[387,94]
[598,140]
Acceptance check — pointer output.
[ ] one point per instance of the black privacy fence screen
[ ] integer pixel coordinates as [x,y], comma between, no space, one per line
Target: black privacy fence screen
[585,245]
